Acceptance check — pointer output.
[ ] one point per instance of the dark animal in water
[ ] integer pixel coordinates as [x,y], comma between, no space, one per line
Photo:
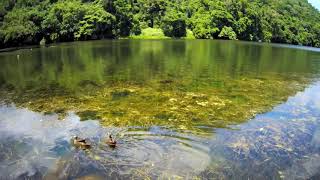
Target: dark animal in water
[111,142]
[81,143]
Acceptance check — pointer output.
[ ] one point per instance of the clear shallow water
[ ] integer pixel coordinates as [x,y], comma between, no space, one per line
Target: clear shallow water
[282,142]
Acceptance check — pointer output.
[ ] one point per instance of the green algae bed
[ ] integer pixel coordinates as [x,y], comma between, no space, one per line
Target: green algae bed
[186,85]
[166,103]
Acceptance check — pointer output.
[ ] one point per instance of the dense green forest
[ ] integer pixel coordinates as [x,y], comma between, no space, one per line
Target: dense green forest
[26,22]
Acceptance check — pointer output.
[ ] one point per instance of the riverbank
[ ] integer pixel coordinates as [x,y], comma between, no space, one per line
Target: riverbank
[30,47]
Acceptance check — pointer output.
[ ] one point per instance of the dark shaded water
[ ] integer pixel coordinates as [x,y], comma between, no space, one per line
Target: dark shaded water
[179,109]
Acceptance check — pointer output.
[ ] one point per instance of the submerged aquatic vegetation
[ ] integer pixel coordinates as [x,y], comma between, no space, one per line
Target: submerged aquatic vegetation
[177,104]
[187,85]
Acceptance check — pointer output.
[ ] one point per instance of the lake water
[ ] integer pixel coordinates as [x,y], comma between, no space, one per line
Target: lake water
[178,109]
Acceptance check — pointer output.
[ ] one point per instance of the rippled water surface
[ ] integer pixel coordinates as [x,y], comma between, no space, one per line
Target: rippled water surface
[178,109]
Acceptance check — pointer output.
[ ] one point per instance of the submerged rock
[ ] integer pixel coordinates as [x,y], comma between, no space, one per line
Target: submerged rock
[166,81]
[87,115]
[120,94]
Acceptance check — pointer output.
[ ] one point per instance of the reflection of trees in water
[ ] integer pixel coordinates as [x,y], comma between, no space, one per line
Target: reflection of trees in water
[141,61]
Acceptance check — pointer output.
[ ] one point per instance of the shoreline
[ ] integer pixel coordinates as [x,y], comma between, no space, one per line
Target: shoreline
[282,45]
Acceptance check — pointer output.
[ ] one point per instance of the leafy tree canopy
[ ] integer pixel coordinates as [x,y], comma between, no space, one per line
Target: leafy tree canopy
[281,21]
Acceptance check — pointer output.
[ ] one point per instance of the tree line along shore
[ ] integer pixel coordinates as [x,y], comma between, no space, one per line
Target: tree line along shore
[30,22]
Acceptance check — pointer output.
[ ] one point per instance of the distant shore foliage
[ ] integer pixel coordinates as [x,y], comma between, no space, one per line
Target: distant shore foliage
[29,22]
